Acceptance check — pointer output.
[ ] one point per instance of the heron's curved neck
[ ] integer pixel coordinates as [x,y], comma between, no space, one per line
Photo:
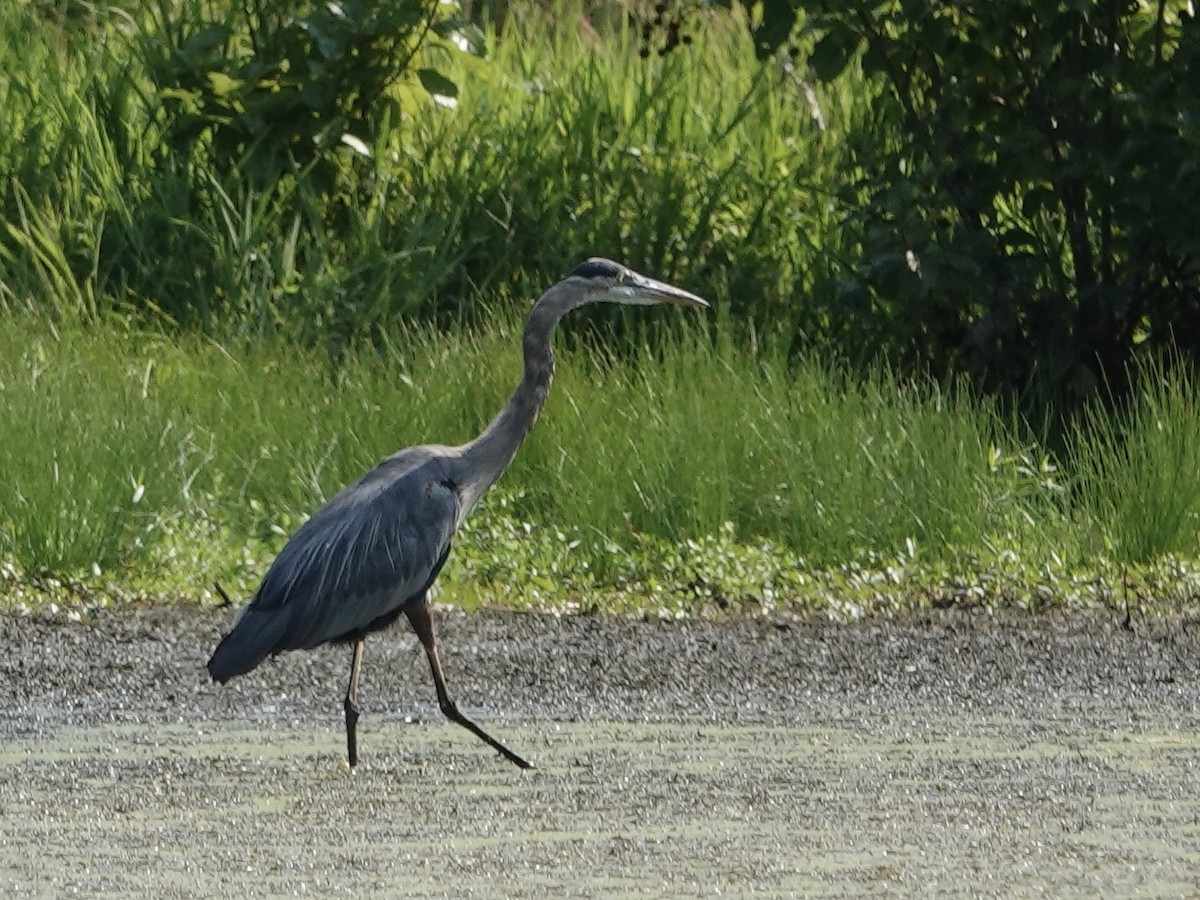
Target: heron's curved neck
[489,455]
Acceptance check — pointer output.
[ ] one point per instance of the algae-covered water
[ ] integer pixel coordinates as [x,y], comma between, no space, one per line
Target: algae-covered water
[157,784]
[611,810]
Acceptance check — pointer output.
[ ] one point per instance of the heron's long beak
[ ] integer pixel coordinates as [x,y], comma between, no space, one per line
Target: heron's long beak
[647,290]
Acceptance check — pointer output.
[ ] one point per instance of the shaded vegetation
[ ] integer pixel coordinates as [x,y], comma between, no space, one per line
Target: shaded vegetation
[1023,192]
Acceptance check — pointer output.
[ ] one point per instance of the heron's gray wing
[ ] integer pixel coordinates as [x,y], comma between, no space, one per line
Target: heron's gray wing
[374,546]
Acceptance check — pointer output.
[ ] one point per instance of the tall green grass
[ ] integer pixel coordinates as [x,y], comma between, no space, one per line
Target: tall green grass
[1137,469]
[700,434]
[691,467]
[115,442]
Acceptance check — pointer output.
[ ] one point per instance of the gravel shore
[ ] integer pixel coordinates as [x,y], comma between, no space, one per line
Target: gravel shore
[959,752]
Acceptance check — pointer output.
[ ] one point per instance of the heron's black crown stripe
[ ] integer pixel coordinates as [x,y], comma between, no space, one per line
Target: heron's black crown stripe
[597,268]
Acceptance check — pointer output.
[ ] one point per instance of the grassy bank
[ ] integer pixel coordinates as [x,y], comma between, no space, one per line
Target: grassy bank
[693,475]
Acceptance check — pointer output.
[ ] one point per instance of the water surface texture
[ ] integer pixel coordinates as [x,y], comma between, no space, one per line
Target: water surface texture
[959,754]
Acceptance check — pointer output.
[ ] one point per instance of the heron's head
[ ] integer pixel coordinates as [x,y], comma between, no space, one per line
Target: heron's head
[606,281]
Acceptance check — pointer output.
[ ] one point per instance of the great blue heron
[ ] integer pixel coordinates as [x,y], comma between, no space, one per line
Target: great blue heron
[374,550]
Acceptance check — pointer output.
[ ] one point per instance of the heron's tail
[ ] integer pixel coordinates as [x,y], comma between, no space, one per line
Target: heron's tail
[257,635]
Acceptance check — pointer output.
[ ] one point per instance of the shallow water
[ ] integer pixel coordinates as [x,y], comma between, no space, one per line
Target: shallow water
[956,803]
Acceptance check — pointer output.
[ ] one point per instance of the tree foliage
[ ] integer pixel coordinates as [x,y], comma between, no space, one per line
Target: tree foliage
[1024,192]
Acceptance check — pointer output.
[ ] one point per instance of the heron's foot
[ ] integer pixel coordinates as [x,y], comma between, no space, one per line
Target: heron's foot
[450,710]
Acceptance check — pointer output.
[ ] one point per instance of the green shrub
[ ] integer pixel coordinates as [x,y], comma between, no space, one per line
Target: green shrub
[269,88]
[1024,185]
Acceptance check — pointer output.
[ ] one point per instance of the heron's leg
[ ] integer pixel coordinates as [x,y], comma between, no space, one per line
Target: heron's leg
[422,623]
[351,704]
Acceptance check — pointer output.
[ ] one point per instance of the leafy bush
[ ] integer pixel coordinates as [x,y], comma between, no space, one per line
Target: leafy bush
[1024,188]
[274,85]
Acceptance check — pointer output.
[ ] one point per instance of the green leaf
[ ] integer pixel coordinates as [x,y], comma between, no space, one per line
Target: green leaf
[436,83]
[833,53]
[201,44]
[184,96]
[778,19]
[223,85]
